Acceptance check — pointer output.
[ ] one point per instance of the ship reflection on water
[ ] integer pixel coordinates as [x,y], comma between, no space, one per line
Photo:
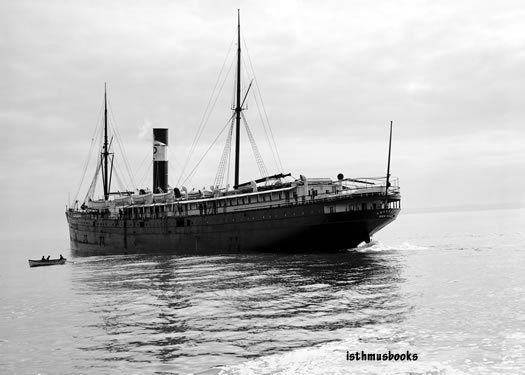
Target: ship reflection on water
[189,313]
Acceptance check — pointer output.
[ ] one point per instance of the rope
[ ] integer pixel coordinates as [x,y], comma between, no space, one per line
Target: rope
[124,186]
[228,172]
[266,133]
[206,121]
[258,158]
[209,148]
[143,163]
[264,110]
[119,182]
[88,158]
[207,111]
[120,144]
[225,156]
[93,185]
[148,169]
[172,169]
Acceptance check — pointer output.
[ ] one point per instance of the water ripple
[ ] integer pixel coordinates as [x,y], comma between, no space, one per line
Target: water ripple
[197,311]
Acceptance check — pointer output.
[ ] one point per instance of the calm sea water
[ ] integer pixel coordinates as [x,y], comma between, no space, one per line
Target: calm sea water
[447,286]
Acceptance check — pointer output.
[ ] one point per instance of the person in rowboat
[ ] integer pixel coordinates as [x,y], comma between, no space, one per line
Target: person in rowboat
[49,256]
[61,257]
[43,258]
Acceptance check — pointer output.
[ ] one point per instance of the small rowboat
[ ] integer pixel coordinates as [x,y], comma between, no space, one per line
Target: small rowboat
[50,262]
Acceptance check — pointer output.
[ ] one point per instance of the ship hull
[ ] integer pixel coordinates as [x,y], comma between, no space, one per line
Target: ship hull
[300,228]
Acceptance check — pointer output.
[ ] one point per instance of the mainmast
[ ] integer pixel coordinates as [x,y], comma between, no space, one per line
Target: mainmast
[238,107]
[105,153]
[388,164]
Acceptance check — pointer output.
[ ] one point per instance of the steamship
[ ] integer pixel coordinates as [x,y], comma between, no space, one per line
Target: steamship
[276,213]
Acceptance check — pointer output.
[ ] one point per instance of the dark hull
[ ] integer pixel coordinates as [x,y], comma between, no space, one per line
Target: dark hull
[297,228]
[42,263]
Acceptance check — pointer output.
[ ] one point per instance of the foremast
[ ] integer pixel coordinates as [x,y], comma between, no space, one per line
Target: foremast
[106,177]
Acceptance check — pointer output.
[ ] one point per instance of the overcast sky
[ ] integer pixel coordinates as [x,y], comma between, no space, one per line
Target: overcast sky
[332,74]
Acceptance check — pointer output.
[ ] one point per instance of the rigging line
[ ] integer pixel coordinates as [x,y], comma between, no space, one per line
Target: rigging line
[119,183]
[206,112]
[264,108]
[174,166]
[203,119]
[194,146]
[214,103]
[123,184]
[88,158]
[172,169]
[143,162]
[129,176]
[93,185]
[229,164]
[264,126]
[84,170]
[205,115]
[258,159]
[148,170]
[222,164]
[266,131]
[269,126]
[120,143]
[247,72]
[247,77]
[123,188]
[121,146]
[209,148]
[148,173]
[117,165]
[100,155]
[234,90]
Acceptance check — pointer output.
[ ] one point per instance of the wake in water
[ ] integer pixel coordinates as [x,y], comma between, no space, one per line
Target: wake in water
[377,246]
[332,358]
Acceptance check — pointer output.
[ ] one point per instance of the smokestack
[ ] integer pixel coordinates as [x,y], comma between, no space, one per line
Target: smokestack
[160,160]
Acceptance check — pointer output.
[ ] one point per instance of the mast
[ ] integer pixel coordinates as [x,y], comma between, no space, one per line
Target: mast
[105,153]
[238,108]
[388,165]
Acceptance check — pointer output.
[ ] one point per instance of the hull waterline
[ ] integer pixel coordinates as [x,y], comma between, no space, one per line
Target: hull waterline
[298,228]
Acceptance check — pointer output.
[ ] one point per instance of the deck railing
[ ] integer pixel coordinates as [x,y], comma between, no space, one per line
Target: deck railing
[364,191]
